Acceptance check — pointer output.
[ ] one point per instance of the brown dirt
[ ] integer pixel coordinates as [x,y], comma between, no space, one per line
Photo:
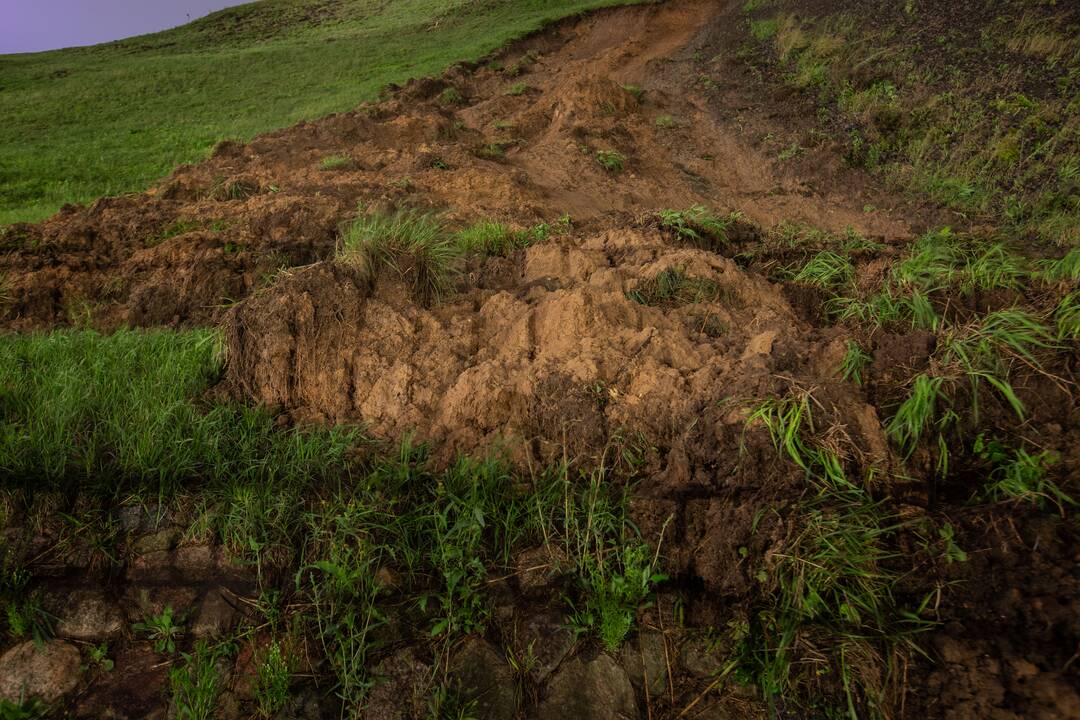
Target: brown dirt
[543,353]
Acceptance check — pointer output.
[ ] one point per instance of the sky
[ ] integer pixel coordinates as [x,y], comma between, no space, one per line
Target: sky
[32,25]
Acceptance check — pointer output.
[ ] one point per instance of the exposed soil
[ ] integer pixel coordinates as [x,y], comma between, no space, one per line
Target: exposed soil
[544,354]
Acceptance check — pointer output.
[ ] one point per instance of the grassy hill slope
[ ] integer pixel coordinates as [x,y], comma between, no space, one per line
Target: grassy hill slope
[83,122]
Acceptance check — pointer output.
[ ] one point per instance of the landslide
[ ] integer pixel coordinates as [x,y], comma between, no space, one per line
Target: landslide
[547,352]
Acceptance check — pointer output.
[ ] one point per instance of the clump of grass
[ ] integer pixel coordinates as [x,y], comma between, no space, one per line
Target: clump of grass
[697,224]
[854,363]
[502,125]
[666,122]
[336,162]
[518,88]
[611,160]
[407,242]
[1020,476]
[673,287]
[492,238]
[635,91]
[273,677]
[450,96]
[195,682]
[826,269]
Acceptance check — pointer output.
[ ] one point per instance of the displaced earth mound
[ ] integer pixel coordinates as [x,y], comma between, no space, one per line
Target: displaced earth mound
[643,288]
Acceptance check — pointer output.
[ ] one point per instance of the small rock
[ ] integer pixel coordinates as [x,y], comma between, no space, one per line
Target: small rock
[481,675]
[164,539]
[47,673]
[599,690]
[402,689]
[699,657]
[538,568]
[87,615]
[542,639]
[215,616]
[646,662]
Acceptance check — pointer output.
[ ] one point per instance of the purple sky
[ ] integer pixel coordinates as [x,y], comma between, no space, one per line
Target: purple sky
[31,25]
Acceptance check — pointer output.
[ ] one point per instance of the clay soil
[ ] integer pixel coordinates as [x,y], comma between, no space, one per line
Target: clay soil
[543,353]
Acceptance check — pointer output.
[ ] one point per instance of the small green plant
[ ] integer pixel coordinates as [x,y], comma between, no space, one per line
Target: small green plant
[161,629]
[503,125]
[518,88]
[611,160]
[636,91]
[272,681]
[26,710]
[854,363]
[98,657]
[1067,317]
[446,703]
[407,242]
[614,593]
[335,162]
[196,681]
[666,122]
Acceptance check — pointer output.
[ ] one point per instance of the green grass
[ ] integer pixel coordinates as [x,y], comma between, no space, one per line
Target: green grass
[698,224]
[826,269]
[826,634]
[118,410]
[941,127]
[336,162]
[490,238]
[672,287]
[611,160]
[410,243]
[84,122]
[1020,476]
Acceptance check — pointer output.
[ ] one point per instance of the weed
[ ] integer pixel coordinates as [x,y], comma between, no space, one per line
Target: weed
[1020,476]
[636,91]
[32,709]
[503,125]
[98,657]
[697,224]
[407,242]
[272,681]
[611,160]
[196,681]
[161,629]
[1066,268]
[666,122]
[336,162]
[518,88]
[854,363]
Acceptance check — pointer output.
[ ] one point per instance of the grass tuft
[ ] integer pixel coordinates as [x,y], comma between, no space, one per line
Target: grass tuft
[407,242]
